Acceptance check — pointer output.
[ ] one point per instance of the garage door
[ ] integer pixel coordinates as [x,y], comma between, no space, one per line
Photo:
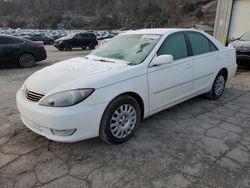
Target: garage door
[240,20]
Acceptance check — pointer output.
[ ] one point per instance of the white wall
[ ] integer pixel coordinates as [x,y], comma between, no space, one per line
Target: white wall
[240,19]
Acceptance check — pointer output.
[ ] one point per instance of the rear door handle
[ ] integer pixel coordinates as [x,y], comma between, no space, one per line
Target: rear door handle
[189,66]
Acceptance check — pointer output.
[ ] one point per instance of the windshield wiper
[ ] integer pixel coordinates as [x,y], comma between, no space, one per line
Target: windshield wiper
[103,60]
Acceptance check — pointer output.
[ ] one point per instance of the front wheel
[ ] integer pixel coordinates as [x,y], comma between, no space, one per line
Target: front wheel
[218,87]
[120,120]
[68,47]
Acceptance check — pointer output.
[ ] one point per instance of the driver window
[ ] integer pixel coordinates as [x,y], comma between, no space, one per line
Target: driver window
[174,45]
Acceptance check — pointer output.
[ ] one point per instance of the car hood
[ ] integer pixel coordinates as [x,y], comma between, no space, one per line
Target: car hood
[78,73]
[65,38]
[244,45]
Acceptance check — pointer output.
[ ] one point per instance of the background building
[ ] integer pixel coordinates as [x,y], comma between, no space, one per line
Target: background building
[232,19]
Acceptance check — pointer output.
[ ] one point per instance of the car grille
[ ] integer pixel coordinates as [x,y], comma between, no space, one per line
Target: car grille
[33,96]
[243,53]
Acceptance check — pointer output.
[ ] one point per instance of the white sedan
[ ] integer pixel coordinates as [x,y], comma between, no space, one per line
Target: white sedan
[135,75]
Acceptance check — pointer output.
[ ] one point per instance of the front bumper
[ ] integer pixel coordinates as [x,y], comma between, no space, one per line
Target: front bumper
[243,55]
[86,119]
[58,45]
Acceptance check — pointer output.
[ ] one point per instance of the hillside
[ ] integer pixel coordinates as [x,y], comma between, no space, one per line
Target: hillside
[102,14]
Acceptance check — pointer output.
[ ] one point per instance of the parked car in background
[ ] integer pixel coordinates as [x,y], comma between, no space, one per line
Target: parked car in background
[104,41]
[82,40]
[39,37]
[57,36]
[105,35]
[110,91]
[242,46]
[19,51]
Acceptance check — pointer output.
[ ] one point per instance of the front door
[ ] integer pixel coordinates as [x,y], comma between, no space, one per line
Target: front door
[170,83]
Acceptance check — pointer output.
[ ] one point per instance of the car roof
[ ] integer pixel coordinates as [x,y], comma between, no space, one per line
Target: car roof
[85,33]
[16,37]
[168,31]
[157,31]
[10,36]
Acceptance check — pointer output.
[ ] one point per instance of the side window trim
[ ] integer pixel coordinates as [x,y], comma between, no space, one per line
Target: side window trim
[171,35]
[212,44]
[188,43]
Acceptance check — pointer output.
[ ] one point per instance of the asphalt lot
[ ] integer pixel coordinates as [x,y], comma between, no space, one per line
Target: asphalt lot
[199,143]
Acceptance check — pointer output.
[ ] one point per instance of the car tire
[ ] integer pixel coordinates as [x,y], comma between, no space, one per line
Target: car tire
[26,60]
[68,47]
[91,46]
[61,49]
[218,87]
[84,47]
[120,120]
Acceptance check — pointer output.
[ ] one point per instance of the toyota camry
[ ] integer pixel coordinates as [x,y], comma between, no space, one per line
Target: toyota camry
[135,75]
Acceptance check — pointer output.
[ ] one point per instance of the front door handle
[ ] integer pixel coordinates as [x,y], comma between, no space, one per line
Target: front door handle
[218,57]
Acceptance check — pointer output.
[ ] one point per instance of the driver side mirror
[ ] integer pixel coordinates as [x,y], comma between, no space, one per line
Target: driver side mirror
[163,59]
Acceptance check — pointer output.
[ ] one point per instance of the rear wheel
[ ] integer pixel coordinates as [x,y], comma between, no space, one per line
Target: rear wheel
[91,46]
[218,87]
[120,120]
[26,60]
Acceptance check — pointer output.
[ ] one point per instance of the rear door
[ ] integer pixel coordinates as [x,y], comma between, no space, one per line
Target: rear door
[85,39]
[206,59]
[9,50]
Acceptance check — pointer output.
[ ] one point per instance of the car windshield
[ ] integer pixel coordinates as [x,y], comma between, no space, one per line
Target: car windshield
[131,48]
[69,36]
[246,36]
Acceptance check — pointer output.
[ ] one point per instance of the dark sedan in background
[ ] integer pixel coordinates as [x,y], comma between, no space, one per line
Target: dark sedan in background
[242,46]
[40,37]
[19,51]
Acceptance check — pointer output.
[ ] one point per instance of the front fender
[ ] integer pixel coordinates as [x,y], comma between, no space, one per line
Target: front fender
[136,85]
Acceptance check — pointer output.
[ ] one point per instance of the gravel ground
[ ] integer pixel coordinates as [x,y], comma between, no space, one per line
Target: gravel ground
[199,143]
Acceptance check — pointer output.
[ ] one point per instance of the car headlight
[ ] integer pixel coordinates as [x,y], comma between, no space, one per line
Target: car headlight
[66,98]
[23,87]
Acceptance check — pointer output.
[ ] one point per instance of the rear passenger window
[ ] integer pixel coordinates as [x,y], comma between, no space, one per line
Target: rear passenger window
[85,36]
[199,43]
[6,40]
[174,45]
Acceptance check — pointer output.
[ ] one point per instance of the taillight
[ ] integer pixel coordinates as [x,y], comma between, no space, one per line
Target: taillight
[40,46]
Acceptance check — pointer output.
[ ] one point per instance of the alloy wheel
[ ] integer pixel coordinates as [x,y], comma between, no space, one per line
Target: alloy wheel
[123,121]
[219,85]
